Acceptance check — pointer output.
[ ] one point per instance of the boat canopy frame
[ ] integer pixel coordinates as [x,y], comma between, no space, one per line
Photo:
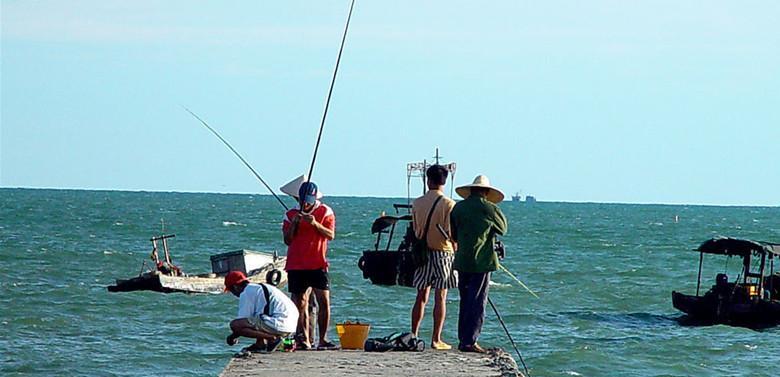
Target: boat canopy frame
[743,248]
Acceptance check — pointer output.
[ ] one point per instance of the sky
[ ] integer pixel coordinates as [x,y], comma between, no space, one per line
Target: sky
[599,101]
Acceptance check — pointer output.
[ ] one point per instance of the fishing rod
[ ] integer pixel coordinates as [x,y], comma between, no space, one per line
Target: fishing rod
[517,280]
[501,320]
[330,92]
[239,157]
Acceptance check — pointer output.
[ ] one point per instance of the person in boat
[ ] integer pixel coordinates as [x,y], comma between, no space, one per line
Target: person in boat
[437,272]
[264,313]
[474,223]
[307,231]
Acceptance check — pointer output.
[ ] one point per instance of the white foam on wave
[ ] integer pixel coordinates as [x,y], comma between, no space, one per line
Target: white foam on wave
[232,223]
[119,223]
[572,373]
[498,284]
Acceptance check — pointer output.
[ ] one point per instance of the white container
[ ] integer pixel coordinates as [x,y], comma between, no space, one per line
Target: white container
[243,260]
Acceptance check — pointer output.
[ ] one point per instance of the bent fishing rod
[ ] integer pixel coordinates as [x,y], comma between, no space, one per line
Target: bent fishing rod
[501,320]
[448,238]
[330,92]
[239,157]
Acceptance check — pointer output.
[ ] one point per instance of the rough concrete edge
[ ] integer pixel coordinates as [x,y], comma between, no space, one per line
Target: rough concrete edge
[228,367]
[504,362]
[499,359]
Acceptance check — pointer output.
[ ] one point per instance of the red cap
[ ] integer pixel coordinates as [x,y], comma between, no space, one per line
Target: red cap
[233,278]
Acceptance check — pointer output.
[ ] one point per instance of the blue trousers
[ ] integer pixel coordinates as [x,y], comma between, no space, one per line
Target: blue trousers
[473,288]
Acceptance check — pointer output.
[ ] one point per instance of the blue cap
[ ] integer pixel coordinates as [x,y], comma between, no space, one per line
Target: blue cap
[307,193]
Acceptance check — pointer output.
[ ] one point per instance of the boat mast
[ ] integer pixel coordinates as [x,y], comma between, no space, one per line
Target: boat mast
[698,280]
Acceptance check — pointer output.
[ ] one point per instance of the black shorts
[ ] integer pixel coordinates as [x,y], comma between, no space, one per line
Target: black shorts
[298,281]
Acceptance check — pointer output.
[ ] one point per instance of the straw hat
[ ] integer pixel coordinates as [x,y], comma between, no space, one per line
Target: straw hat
[494,195]
[291,188]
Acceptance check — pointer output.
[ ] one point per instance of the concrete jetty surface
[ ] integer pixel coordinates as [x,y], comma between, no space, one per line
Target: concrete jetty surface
[359,363]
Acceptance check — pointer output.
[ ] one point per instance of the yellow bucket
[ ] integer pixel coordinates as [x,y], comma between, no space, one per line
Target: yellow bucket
[352,335]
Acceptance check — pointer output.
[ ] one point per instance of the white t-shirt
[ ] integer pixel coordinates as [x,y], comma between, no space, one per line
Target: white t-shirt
[283,312]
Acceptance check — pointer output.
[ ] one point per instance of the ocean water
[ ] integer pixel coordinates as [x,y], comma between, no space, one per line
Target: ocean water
[604,273]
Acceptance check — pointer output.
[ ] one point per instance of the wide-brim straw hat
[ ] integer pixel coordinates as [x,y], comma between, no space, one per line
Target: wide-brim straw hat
[494,195]
[291,188]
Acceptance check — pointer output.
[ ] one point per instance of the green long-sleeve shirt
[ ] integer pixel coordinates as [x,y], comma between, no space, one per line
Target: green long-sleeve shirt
[475,223]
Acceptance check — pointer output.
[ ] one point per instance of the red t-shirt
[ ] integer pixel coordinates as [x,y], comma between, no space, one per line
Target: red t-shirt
[308,247]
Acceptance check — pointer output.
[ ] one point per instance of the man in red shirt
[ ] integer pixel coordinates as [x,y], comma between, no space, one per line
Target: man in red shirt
[307,230]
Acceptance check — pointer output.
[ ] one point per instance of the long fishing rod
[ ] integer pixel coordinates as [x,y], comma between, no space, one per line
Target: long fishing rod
[517,280]
[330,92]
[501,320]
[239,157]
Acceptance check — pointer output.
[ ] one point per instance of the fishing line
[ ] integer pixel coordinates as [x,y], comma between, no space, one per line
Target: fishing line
[239,157]
[509,336]
[330,92]
[517,280]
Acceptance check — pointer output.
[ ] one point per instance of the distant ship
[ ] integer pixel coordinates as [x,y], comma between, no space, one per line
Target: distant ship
[529,199]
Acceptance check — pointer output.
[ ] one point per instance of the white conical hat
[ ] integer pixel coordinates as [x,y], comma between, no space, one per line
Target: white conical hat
[495,195]
[291,188]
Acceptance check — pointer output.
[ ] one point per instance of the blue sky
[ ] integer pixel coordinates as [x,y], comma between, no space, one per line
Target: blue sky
[606,101]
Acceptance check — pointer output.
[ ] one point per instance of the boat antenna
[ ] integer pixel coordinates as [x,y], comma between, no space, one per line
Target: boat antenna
[501,320]
[330,92]
[239,157]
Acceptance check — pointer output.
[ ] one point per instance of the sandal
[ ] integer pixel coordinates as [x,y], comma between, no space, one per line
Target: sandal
[440,346]
[301,346]
[274,344]
[256,348]
[327,346]
[475,348]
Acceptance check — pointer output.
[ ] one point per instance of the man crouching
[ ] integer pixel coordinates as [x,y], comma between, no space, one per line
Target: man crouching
[264,313]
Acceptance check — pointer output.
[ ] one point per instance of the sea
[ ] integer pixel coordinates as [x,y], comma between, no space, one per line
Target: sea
[604,274]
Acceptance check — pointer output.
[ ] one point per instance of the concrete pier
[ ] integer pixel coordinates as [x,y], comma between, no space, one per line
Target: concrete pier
[359,363]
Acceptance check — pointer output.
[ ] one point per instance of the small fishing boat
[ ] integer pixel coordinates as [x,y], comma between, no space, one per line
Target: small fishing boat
[165,277]
[751,300]
[394,266]
[386,266]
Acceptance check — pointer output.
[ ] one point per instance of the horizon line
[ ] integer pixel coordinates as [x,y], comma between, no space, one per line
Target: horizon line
[387,197]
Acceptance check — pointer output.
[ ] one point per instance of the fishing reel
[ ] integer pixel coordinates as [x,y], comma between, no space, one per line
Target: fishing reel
[498,247]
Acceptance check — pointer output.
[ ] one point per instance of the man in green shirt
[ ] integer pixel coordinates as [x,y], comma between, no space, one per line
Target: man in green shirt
[475,222]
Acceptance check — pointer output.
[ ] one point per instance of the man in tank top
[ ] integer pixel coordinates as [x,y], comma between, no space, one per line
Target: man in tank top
[437,272]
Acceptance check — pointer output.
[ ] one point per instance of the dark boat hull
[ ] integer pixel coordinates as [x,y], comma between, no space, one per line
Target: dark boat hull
[387,267]
[713,309]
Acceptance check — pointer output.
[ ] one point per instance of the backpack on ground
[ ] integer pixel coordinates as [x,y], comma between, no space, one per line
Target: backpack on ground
[395,342]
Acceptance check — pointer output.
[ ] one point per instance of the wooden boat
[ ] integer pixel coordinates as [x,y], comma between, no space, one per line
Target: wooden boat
[751,300]
[165,277]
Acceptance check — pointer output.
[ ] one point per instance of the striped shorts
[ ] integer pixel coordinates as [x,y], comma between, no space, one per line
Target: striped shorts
[438,272]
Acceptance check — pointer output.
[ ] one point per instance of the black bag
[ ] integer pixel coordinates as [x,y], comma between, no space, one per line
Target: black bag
[395,342]
[420,248]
